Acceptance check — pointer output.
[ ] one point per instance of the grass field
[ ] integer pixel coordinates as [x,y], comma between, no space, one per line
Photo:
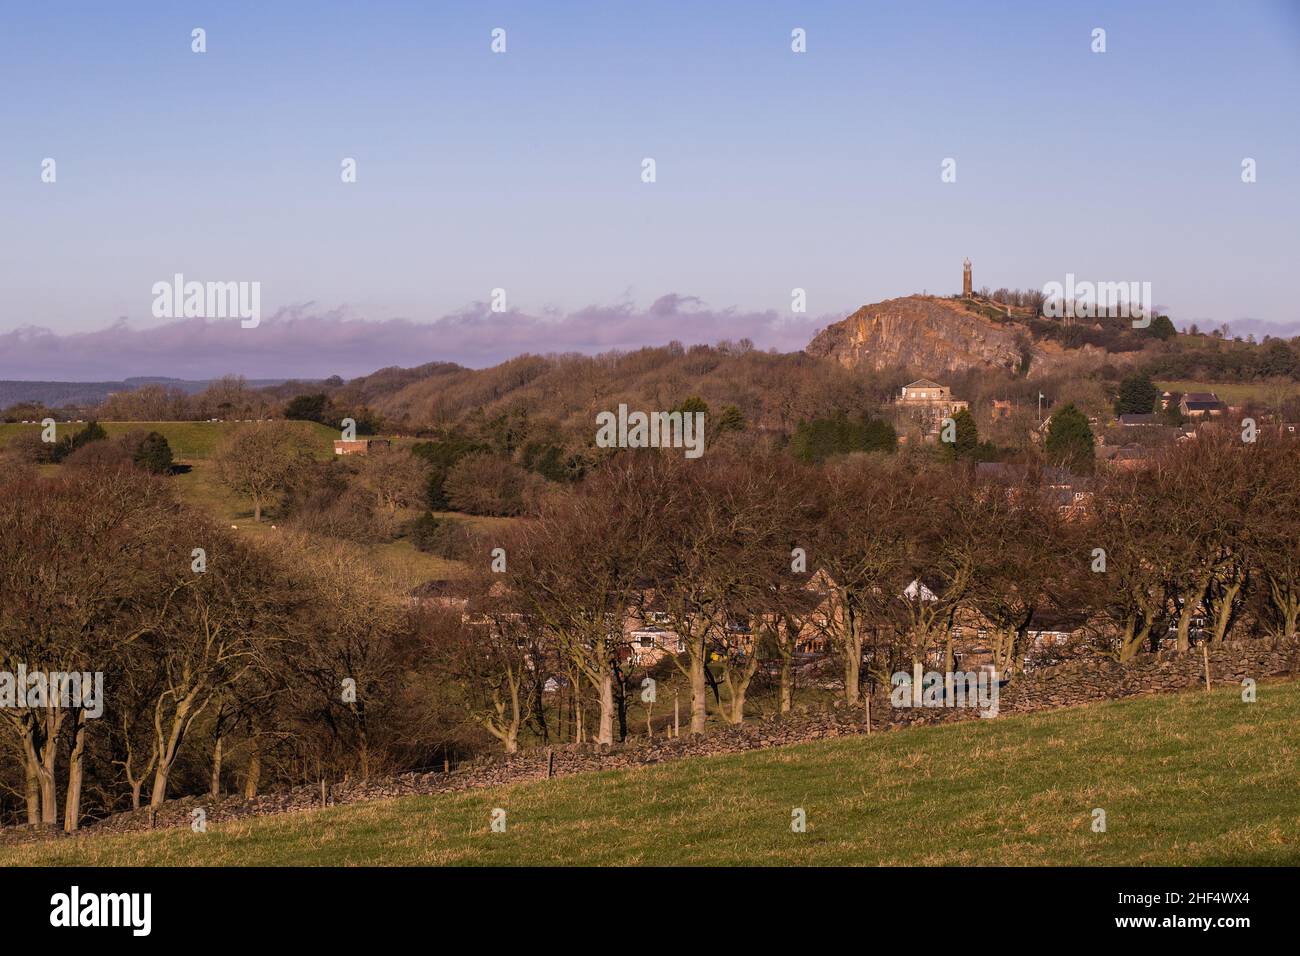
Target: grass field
[400,563]
[1194,778]
[189,440]
[1235,394]
[192,445]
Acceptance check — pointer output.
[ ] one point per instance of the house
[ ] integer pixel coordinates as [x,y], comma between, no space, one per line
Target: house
[650,643]
[1131,458]
[931,395]
[1071,493]
[928,403]
[1131,420]
[1001,409]
[1050,632]
[359,446]
[1200,405]
[648,636]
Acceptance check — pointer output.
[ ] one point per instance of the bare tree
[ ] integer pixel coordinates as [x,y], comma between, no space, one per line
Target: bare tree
[259,460]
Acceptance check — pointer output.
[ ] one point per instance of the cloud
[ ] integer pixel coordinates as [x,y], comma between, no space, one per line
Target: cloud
[306,342]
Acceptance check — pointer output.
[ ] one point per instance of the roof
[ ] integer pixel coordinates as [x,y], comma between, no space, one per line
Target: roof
[1199,405]
[923,383]
[1131,418]
[1200,397]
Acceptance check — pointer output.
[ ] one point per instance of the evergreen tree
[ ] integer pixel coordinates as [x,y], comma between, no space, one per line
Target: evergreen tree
[154,454]
[1137,395]
[966,434]
[1070,441]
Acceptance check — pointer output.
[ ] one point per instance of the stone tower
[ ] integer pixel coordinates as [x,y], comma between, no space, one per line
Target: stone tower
[965,279]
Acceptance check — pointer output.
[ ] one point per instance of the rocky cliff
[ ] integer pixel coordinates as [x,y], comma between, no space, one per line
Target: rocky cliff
[927,334]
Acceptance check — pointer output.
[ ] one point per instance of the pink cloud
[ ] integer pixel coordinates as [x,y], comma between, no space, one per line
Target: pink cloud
[301,342]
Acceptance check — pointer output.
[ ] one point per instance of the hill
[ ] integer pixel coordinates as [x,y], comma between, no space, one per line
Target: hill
[945,335]
[86,394]
[771,390]
[188,440]
[1190,778]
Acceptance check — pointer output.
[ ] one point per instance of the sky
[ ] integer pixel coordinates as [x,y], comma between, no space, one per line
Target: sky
[523,171]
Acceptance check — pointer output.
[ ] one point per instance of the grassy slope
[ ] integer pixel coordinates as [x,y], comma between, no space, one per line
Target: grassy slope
[193,443]
[188,440]
[1234,393]
[1189,779]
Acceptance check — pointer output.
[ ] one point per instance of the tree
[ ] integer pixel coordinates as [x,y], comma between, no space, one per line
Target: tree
[154,454]
[966,435]
[1277,358]
[731,420]
[580,566]
[310,408]
[1274,527]
[818,439]
[1162,328]
[1126,584]
[1070,440]
[395,477]
[862,538]
[483,484]
[1137,395]
[1027,567]
[490,650]
[259,461]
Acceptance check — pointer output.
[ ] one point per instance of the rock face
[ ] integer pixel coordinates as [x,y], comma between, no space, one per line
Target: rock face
[925,333]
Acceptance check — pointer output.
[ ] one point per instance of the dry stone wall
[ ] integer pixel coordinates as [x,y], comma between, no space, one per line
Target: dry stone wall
[1063,685]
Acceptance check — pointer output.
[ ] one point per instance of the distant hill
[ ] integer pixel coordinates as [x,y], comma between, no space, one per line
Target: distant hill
[771,390]
[81,394]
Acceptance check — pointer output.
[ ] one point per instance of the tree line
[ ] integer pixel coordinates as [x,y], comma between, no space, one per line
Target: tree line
[231,666]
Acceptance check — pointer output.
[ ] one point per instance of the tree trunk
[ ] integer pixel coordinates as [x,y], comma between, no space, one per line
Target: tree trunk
[47,766]
[699,692]
[852,663]
[1223,619]
[33,783]
[1191,601]
[76,773]
[787,688]
[252,776]
[605,737]
[215,788]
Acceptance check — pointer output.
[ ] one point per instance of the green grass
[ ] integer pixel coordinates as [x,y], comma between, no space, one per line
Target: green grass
[1233,393]
[1193,778]
[400,563]
[189,440]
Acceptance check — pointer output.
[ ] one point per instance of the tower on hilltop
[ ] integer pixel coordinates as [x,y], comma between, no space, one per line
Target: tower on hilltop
[965,280]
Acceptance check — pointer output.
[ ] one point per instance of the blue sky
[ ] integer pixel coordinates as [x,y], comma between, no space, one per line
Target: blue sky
[522,170]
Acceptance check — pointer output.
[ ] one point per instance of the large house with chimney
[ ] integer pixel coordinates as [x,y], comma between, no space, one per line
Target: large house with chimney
[926,403]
